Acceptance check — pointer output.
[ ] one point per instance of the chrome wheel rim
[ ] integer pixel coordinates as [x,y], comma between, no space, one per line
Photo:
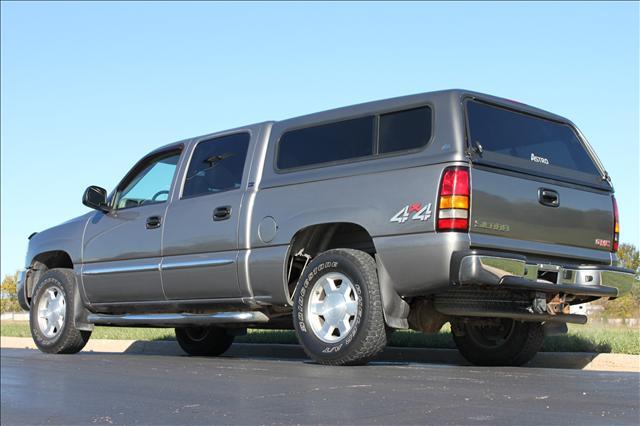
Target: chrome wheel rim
[51,312]
[332,307]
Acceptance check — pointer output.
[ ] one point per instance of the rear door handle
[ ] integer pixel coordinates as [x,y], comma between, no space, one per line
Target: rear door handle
[222,213]
[153,222]
[548,197]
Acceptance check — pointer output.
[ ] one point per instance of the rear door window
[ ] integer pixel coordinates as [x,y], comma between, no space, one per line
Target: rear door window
[216,165]
[328,143]
[528,142]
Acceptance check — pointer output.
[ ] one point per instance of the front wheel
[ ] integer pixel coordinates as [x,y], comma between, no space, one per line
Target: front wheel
[494,342]
[337,312]
[51,315]
[204,341]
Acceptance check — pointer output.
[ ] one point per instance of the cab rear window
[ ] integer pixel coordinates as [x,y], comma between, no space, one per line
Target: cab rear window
[527,141]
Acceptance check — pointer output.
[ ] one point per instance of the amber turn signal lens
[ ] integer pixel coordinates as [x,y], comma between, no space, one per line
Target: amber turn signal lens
[454,202]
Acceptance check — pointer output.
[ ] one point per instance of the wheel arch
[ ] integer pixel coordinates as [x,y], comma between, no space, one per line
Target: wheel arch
[312,240]
[41,263]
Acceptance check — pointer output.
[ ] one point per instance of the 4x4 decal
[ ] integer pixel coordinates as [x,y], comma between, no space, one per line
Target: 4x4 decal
[419,211]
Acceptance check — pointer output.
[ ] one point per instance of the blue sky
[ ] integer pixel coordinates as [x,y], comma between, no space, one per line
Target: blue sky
[88,88]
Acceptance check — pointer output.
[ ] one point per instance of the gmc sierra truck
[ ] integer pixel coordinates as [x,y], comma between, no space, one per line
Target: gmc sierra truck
[345,225]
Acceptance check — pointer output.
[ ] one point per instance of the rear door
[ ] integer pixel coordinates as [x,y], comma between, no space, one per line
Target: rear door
[534,180]
[200,241]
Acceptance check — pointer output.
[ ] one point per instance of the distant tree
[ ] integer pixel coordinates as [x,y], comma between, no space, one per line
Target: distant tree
[8,294]
[629,256]
[627,306]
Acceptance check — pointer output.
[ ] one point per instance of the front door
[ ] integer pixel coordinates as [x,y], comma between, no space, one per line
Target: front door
[200,244]
[121,249]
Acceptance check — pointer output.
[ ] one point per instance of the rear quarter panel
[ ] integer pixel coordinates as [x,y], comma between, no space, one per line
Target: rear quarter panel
[411,251]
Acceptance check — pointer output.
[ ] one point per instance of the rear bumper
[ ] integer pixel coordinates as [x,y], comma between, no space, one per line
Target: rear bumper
[478,267]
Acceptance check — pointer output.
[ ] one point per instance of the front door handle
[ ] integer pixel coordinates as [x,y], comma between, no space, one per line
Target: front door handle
[153,222]
[222,213]
[548,197]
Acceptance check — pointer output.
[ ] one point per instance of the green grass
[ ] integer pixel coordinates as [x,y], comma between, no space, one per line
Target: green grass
[596,338]
[586,338]
[21,329]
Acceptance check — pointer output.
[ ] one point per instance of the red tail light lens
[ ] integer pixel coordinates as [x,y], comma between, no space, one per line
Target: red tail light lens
[453,200]
[616,225]
[455,181]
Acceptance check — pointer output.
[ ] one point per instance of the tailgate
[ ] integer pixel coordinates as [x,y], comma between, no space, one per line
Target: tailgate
[534,180]
[512,207]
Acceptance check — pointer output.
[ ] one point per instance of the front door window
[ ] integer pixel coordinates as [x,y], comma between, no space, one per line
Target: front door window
[150,185]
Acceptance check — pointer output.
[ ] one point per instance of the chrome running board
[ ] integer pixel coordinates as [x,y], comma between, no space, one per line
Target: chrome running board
[173,320]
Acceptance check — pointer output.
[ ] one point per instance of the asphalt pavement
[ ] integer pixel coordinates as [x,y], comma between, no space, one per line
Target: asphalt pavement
[103,388]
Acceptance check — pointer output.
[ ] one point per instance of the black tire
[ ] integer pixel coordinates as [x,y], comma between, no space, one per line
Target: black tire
[507,343]
[366,334]
[63,339]
[204,341]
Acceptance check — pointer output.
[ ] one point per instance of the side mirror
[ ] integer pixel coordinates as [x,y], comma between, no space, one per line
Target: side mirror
[96,198]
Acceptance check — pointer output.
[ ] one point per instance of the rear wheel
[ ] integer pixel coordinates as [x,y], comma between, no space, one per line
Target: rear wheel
[51,317]
[498,341]
[338,310]
[204,341]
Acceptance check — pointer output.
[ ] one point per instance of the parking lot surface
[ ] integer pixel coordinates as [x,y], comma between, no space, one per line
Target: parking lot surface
[100,388]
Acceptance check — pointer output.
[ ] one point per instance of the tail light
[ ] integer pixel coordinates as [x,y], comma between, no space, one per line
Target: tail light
[616,225]
[453,200]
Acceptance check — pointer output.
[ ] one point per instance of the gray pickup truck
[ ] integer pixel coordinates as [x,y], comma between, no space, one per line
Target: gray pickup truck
[344,225]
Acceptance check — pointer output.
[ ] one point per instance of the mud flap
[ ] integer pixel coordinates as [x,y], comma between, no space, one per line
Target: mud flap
[395,309]
[80,313]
